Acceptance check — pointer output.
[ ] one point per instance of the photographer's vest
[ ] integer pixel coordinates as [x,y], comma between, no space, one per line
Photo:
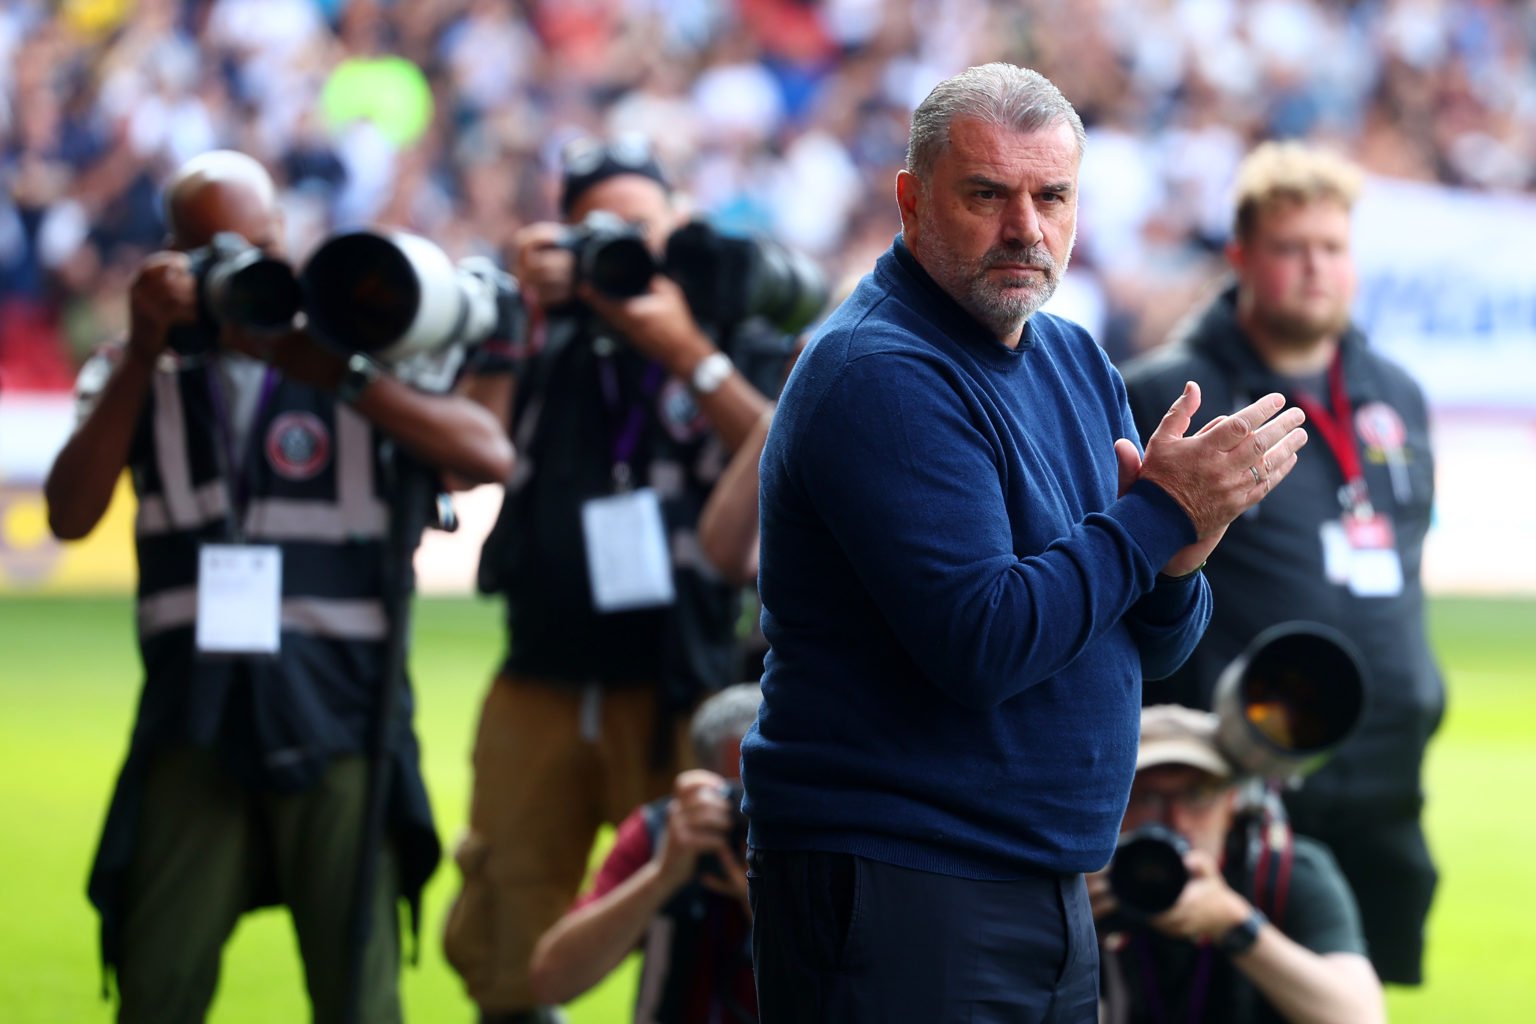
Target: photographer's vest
[306,481]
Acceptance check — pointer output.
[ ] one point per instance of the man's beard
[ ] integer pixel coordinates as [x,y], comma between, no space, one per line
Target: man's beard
[1299,332]
[1002,308]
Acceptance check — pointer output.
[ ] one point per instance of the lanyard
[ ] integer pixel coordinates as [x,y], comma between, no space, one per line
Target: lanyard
[626,430]
[1338,432]
[237,483]
[1196,994]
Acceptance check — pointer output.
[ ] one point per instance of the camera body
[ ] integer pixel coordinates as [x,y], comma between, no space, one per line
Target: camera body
[610,254]
[1147,873]
[236,284]
[726,279]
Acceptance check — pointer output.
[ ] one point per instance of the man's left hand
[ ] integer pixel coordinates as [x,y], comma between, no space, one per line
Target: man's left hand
[1207,908]
[657,324]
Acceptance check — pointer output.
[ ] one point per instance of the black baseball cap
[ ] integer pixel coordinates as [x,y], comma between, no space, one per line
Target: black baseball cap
[587,161]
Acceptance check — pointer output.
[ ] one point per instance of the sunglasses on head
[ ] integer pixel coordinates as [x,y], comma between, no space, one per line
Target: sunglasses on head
[584,155]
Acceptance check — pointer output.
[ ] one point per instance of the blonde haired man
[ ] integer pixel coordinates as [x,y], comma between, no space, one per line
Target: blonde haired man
[1342,544]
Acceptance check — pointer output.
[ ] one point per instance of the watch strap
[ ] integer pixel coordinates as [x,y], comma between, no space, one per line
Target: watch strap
[361,371]
[1241,936]
[711,372]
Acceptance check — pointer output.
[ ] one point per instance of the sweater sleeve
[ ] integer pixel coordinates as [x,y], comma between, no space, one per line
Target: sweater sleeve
[909,479]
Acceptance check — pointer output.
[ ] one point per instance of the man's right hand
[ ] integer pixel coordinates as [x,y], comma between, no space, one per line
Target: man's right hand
[1228,466]
[698,822]
[163,293]
[545,272]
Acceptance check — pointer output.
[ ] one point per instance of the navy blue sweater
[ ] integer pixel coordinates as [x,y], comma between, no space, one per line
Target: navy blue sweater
[960,609]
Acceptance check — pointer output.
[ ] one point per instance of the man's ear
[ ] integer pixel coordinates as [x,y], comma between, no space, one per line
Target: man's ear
[1237,257]
[908,196]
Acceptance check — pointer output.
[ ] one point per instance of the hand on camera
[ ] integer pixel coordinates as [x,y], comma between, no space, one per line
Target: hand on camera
[543,269]
[1219,472]
[698,822]
[657,323]
[1207,908]
[163,294]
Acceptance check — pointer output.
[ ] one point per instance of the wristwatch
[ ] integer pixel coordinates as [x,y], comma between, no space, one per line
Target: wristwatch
[710,373]
[360,373]
[1241,936]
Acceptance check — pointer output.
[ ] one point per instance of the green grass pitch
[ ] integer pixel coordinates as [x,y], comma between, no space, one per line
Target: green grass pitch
[68,684]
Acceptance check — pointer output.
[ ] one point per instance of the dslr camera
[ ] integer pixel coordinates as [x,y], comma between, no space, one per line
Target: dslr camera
[1282,708]
[709,864]
[726,279]
[236,284]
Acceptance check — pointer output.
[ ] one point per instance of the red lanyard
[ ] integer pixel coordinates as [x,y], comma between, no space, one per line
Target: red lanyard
[1337,429]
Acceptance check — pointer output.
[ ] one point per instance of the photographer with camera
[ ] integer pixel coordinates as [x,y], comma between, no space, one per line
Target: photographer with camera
[653,343]
[673,885]
[1211,912]
[262,463]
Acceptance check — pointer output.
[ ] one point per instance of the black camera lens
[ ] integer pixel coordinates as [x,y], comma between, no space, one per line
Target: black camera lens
[239,284]
[612,255]
[1147,872]
[729,279]
[261,295]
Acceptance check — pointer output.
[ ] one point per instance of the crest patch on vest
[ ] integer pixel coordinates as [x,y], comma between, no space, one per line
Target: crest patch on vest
[298,445]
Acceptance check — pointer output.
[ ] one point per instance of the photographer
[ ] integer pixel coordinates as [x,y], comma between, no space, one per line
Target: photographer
[675,879]
[624,412]
[262,473]
[1222,952]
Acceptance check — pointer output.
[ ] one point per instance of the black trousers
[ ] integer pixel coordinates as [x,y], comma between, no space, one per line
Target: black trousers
[838,939]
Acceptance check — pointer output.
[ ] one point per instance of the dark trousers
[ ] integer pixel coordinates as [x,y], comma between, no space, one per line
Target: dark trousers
[838,939]
[203,843]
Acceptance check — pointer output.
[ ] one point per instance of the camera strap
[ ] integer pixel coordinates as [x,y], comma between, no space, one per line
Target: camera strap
[1195,994]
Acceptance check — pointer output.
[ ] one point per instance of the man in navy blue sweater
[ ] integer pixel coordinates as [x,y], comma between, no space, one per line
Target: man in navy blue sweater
[967,568]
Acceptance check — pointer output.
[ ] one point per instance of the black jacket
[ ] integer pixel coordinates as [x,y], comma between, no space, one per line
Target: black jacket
[1269,568]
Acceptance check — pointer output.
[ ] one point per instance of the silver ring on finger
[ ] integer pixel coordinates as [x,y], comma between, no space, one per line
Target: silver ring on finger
[1256,478]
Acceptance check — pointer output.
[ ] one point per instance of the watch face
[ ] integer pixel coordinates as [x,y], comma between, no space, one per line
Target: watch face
[711,373]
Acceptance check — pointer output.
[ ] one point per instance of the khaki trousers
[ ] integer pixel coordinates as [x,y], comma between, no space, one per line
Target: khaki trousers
[552,763]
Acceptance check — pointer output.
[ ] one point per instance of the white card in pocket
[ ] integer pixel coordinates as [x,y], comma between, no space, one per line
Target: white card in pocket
[239,598]
[628,563]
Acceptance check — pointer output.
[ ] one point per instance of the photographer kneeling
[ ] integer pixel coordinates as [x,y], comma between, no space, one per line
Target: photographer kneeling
[674,878]
[1221,951]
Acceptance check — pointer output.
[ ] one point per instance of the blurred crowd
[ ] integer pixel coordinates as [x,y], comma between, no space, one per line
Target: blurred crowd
[446,117]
